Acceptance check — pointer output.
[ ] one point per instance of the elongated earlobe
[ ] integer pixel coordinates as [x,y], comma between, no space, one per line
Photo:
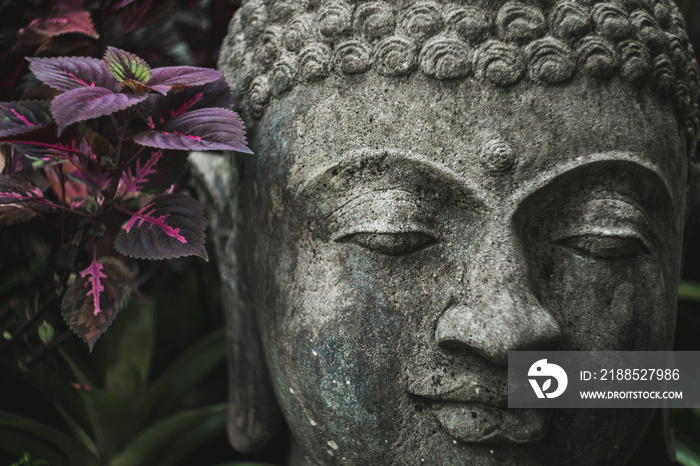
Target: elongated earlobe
[692,202]
[253,413]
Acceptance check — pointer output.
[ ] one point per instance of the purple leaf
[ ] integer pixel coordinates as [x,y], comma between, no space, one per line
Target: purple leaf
[68,73]
[163,108]
[75,21]
[129,69]
[183,76]
[203,129]
[171,226]
[95,297]
[133,180]
[16,188]
[23,116]
[134,16]
[90,102]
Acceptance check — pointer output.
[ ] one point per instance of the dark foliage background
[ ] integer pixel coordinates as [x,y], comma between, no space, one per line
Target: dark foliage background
[179,298]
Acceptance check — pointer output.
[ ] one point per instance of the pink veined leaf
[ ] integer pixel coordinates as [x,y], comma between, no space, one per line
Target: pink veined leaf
[186,106]
[171,226]
[92,301]
[17,188]
[23,116]
[45,151]
[183,76]
[132,181]
[94,276]
[74,21]
[161,108]
[90,102]
[126,67]
[66,73]
[144,215]
[202,129]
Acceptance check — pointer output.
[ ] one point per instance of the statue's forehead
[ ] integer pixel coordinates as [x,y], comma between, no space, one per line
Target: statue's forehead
[500,140]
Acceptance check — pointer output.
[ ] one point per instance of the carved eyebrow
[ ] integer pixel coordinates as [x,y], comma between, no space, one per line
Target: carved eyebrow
[390,163]
[598,161]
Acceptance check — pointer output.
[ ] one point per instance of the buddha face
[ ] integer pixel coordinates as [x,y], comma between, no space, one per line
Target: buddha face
[404,235]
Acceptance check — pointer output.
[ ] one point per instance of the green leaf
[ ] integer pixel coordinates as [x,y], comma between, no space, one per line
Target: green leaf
[189,369]
[687,453]
[159,438]
[689,291]
[46,332]
[207,431]
[110,417]
[131,364]
[71,448]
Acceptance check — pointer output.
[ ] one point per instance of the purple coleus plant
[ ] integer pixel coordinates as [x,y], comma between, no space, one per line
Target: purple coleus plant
[110,146]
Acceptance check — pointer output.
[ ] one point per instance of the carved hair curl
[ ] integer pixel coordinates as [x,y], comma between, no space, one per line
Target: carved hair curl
[282,43]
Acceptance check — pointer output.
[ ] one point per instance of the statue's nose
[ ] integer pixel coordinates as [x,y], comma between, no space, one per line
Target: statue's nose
[499,313]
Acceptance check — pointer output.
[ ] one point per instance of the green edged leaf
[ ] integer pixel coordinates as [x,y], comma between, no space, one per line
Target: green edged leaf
[127,67]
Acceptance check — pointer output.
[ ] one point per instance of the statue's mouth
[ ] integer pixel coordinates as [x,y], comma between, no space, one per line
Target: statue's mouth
[472,413]
[485,424]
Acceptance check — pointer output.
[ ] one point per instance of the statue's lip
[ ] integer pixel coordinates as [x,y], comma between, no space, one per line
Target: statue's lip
[469,393]
[484,424]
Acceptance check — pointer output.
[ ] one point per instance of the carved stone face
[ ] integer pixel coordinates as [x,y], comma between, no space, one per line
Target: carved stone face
[403,235]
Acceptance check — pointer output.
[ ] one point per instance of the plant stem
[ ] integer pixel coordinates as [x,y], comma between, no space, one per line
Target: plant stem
[133,157]
[23,328]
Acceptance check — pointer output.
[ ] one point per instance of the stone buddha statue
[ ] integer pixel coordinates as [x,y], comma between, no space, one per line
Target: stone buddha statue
[436,183]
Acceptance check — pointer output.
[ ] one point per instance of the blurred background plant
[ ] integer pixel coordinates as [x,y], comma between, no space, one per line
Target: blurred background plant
[153,390]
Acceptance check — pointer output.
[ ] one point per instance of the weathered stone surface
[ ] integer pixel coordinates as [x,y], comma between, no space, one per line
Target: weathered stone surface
[435,184]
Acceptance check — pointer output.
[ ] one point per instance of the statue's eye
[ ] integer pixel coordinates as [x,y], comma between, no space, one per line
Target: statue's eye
[391,244]
[606,247]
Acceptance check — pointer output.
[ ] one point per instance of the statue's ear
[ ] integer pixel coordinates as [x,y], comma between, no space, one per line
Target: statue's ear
[253,413]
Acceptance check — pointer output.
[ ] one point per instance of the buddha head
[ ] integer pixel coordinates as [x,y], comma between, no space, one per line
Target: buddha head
[436,183]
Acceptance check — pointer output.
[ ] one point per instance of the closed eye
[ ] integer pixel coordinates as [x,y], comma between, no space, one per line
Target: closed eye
[605,246]
[391,244]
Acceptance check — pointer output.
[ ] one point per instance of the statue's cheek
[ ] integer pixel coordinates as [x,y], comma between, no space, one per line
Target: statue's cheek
[608,304]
